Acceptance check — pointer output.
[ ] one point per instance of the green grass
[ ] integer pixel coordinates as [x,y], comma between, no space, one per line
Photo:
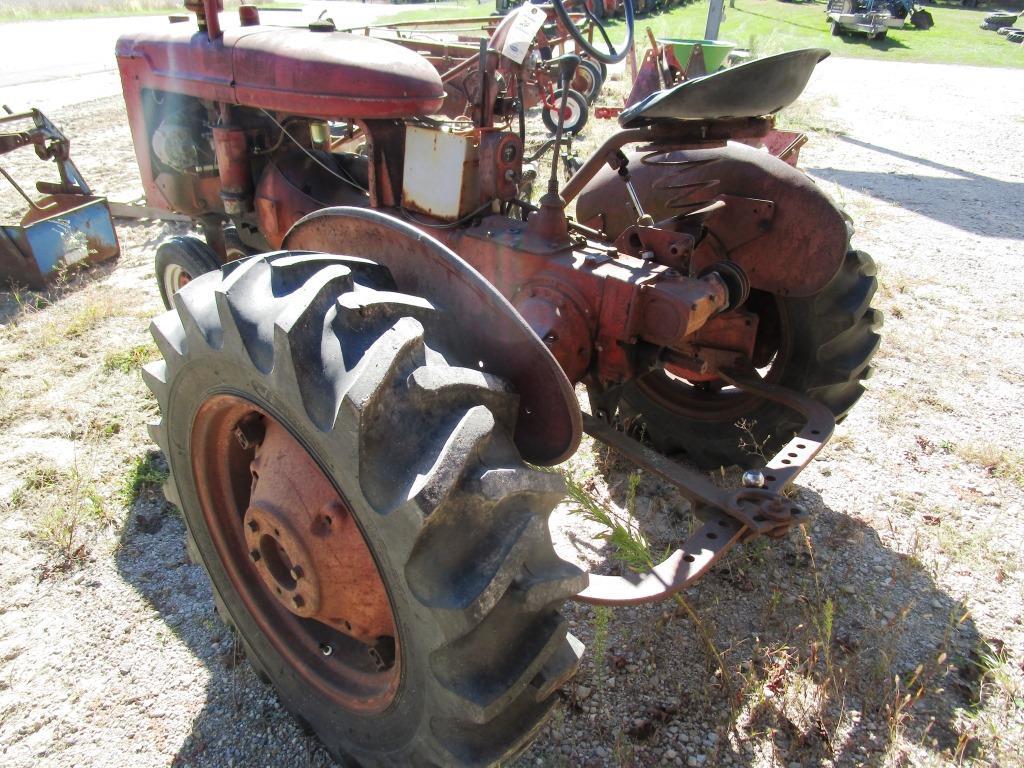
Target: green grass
[770,26]
[147,474]
[130,360]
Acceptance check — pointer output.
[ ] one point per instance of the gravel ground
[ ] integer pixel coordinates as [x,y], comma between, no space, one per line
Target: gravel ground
[890,634]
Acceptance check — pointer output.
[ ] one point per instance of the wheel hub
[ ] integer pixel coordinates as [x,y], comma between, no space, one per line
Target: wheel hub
[305,544]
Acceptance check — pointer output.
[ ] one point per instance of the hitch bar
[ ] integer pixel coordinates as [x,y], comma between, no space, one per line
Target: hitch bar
[729,515]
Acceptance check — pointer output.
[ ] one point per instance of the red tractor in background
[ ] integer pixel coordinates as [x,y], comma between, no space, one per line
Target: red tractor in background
[356,416]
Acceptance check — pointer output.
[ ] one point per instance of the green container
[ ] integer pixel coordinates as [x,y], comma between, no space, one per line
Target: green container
[715,51]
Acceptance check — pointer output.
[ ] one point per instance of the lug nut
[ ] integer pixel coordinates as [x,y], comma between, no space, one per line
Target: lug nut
[753,478]
[298,601]
[296,572]
[249,431]
[255,555]
[326,649]
[254,526]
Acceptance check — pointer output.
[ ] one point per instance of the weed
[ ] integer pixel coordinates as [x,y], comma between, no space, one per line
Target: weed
[997,675]
[147,474]
[58,530]
[749,443]
[131,359]
[996,461]
[602,616]
[629,544]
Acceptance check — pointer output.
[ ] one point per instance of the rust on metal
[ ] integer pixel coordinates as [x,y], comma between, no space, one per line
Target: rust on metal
[549,429]
[68,226]
[294,553]
[307,547]
[730,516]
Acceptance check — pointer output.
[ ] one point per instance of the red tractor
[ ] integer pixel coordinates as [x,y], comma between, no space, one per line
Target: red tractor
[356,417]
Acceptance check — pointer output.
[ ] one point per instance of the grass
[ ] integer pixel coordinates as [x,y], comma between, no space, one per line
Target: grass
[996,461]
[62,503]
[130,360]
[146,474]
[769,26]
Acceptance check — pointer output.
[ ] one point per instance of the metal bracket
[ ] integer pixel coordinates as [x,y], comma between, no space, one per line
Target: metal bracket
[730,515]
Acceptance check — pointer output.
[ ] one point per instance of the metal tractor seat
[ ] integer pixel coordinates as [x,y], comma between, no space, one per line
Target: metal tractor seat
[756,88]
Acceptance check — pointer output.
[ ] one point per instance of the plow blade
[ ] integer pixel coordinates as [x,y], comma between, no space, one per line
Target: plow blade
[63,231]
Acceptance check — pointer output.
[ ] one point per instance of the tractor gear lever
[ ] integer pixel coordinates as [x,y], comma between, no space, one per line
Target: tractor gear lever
[567,66]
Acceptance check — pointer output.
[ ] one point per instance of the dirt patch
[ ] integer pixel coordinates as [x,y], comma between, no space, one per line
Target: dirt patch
[888,633]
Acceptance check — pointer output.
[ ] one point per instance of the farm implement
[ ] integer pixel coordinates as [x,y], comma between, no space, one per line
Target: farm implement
[375,350]
[66,227]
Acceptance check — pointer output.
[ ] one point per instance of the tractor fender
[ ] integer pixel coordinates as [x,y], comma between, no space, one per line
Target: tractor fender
[490,330]
[777,224]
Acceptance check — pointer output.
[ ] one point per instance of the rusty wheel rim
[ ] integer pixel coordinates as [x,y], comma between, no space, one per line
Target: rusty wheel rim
[295,554]
[714,401]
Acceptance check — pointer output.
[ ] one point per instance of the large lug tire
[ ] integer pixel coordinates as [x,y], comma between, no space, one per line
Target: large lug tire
[824,345]
[179,260]
[418,450]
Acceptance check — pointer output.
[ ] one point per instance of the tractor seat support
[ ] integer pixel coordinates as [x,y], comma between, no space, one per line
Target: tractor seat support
[757,88]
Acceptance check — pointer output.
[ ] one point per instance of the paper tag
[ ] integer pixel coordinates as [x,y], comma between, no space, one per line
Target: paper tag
[524,29]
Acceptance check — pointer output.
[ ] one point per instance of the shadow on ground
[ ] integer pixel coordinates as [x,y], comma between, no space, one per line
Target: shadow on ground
[241,722]
[765,607]
[981,204]
[758,604]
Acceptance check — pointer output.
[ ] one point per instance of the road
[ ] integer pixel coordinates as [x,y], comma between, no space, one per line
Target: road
[52,64]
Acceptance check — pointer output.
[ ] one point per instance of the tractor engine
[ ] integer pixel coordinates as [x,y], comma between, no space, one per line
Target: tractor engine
[249,127]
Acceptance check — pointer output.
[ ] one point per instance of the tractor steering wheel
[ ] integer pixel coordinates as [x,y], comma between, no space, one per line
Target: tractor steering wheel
[612,56]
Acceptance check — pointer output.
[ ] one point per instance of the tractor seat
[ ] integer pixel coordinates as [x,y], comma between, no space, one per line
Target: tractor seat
[757,88]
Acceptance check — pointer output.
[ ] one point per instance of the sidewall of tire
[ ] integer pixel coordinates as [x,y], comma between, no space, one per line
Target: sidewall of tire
[201,379]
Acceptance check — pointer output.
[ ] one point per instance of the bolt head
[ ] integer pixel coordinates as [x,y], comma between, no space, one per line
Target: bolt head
[254,526]
[255,555]
[326,649]
[298,601]
[753,478]
[296,572]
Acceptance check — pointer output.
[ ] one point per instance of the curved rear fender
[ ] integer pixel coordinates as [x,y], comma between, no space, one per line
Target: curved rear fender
[777,224]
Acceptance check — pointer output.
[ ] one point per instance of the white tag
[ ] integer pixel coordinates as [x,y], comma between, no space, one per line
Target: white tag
[520,37]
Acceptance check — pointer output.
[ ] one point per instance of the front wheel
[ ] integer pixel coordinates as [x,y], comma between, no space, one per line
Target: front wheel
[588,81]
[179,260]
[820,345]
[576,112]
[368,526]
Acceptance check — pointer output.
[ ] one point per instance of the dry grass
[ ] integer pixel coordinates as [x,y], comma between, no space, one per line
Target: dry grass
[995,460]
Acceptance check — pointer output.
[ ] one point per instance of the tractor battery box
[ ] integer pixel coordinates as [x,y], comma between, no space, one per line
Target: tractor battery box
[441,173]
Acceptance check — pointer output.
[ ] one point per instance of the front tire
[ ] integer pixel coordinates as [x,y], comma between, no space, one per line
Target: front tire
[353,380]
[179,260]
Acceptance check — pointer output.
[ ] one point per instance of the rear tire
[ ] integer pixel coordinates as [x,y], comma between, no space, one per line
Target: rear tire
[420,451]
[827,342]
[180,260]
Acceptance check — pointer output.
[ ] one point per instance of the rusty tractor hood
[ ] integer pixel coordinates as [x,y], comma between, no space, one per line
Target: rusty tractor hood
[300,71]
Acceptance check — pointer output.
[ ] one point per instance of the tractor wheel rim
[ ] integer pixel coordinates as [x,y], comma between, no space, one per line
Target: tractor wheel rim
[295,554]
[175,278]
